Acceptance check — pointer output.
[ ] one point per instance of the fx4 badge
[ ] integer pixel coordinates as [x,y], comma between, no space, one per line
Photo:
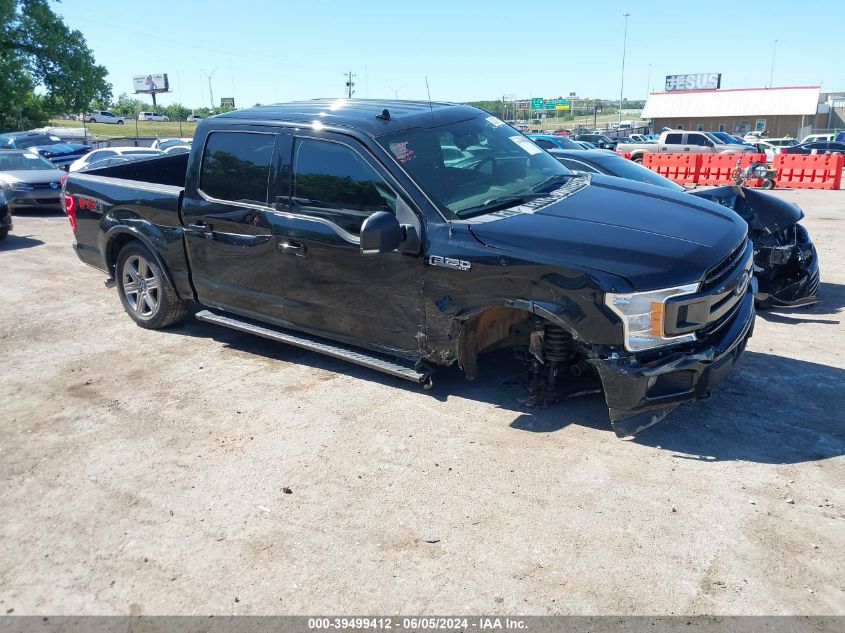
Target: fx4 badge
[449,262]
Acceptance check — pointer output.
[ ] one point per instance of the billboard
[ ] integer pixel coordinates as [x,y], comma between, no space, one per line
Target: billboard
[151,84]
[701,81]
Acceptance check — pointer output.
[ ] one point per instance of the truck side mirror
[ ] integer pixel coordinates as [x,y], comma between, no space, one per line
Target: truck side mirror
[380,233]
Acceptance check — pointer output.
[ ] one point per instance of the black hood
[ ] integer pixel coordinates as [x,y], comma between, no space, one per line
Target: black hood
[764,212]
[651,236]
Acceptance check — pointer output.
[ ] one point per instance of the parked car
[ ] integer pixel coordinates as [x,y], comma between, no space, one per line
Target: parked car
[164,143]
[104,116]
[586,145]
[771,147]
[599,140]
[152,116]
[194,118]
[785,258]
[821,136]
[816,147]
[6,223]
[754,136]
[643,138]
[724,137]
[29,181]
[49,146]
[386,257]
[674,141]
[550,141]
[110,152]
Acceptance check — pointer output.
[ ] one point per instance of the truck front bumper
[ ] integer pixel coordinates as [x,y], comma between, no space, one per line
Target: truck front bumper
[640,394]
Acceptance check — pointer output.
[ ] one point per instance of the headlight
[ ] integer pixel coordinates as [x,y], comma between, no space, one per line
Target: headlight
[642,315]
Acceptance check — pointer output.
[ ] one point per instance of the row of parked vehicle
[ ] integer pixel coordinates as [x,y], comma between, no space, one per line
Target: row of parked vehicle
[107,116]
[33,166]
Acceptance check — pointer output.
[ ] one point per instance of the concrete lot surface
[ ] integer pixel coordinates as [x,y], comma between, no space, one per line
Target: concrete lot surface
[146,472]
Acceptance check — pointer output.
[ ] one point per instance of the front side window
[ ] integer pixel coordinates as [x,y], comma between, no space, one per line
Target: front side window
[236,166]
[334,182]
[501,169]
[696,139]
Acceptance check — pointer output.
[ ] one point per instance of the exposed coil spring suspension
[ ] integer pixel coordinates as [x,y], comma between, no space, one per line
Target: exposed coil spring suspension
[558,351]
[558,345]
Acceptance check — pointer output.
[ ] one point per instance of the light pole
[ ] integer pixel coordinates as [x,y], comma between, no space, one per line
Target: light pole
[626,15]
[210,93]
[772,73]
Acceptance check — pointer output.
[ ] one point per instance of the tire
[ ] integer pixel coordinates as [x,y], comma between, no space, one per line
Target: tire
[92,120]
[4,233]
[145,291]
[638,159]
[120,122]
[768,184]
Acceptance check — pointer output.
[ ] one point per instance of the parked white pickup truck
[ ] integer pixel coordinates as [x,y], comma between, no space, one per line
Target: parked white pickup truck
[677,141]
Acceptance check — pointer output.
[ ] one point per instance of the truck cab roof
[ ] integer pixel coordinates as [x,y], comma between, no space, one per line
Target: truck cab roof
[363,115]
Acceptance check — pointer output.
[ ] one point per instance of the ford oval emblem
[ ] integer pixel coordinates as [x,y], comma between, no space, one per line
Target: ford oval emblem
[54,185]
[741,283]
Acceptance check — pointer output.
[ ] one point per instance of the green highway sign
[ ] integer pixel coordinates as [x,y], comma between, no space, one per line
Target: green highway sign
[557,104]
[537,103]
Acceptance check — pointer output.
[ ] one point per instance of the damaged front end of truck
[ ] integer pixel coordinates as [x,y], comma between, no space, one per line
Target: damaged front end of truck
[786,264]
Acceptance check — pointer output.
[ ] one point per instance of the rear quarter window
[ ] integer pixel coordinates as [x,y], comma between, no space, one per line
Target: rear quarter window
[236,166]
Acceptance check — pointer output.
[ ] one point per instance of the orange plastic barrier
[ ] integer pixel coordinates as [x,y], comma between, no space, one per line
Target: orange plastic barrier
[809,171]
[626,155]
[681,168]
[716,169]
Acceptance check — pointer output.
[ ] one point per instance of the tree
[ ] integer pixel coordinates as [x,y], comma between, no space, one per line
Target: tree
[45,68]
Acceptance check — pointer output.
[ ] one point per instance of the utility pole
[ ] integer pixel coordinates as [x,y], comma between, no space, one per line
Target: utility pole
[210,93]
[350,84]
[772,74]
[626,15]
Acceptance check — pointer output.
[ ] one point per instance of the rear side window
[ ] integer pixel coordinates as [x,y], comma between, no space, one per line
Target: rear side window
[236,166]
[334,182]
[544,143]
[673,139]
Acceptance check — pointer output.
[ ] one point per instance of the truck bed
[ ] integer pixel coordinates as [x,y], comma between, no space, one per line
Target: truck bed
[143,198]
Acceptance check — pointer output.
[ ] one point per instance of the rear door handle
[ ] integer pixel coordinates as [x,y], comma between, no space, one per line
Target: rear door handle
[293,248]
[201,227]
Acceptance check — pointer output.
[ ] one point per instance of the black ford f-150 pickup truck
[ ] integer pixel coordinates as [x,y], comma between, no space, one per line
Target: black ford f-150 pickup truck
[406,235]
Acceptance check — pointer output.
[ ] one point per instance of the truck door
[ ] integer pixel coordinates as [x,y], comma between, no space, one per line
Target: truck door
[329,287]
[227,221]
[672,143]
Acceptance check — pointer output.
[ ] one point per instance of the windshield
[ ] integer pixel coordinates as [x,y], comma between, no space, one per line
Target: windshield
[494,166]
[32,141]
[23,162]
[624,168]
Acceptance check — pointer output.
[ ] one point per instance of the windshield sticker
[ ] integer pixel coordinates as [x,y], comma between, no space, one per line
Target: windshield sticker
[30,157]
[526,144]
[55,138]
[494,122]
[402,152]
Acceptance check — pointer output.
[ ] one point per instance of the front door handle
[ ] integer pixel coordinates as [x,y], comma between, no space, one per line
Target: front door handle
[292,248]
[202,228]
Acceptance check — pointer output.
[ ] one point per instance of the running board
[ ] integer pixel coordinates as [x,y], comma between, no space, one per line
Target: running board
[335,350]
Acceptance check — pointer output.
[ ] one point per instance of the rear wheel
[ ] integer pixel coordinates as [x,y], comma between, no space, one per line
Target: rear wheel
[145,291]
[120,122]
[637,159]
[4,233]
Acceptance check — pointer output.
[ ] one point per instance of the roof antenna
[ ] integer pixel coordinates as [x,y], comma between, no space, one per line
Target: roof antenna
[429,95]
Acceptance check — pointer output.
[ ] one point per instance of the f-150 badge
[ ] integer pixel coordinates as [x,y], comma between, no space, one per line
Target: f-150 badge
[449,262]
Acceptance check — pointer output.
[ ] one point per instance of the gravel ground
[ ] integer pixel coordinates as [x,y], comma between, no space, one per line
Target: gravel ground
[199,470]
